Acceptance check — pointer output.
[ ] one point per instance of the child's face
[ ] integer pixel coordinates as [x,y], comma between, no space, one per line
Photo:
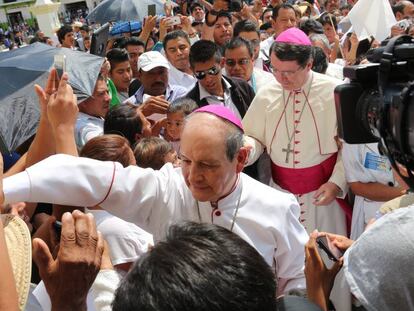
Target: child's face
[175,123]
[172,157]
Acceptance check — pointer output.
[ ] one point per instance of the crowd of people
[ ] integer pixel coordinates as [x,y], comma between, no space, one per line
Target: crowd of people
[205,171]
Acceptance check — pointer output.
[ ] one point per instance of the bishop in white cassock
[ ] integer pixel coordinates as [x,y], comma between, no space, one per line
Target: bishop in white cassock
[295,120]
[298,130]
[208,188]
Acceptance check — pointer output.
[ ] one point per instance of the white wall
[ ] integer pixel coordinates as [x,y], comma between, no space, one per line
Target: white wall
[3,16]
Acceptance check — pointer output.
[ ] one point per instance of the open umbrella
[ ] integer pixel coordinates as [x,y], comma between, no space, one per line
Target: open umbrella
[123,10]
[125,27]
[20,69]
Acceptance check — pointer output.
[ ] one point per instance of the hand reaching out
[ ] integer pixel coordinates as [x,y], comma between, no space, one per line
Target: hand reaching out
[45,94]
[340,241]
[319,279]
[69,277]
[155,104]
[62,108]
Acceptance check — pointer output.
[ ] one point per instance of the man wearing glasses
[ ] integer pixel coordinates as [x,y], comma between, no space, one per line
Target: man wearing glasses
[239,63]
[212,87]
[295,120]
[248,30]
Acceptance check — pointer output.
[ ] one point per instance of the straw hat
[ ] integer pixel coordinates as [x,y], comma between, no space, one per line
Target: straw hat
[19,247]
[77,24]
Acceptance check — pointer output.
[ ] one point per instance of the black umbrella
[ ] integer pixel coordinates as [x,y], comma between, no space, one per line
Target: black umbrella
[20,69]
[123,10]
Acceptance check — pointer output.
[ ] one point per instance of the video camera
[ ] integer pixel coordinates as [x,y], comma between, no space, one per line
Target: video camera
[378,104]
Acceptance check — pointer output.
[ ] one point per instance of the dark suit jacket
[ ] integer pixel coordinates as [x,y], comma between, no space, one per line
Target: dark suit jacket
[241,94]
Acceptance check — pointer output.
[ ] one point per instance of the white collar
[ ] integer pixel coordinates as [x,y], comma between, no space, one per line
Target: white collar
[205,94]
[178,72]
[229,201]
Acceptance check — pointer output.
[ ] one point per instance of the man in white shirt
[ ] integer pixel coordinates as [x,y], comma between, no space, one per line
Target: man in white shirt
[153,70]
[92,112]
[283,17]
[239,63]
[208,188]
[212,87]
[177,50]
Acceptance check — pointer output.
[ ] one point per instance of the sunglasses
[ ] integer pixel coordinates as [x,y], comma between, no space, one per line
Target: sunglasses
[240,62]
[213,71]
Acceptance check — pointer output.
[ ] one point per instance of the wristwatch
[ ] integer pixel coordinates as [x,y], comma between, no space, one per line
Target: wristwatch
[213,13]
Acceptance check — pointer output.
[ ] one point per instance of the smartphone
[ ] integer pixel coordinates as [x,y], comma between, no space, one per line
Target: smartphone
[152,10]
[331,250]
[404,24]
[57,225]
[59,63]
[174,20]
[99,40]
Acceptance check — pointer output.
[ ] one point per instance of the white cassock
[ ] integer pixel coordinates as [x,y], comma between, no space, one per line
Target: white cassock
[305,124]
[264,217]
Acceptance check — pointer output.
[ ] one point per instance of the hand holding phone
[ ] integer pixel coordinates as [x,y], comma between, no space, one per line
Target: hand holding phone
[59,63]
[173,21]
[330,250]
[151,10]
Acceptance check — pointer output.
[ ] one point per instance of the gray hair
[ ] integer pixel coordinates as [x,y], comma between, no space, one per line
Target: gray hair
[234,141]
[321,38]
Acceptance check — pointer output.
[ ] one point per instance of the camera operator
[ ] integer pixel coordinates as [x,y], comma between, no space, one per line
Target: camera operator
[375,115]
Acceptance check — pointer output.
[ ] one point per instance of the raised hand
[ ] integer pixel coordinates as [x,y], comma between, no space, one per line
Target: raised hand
[68,277]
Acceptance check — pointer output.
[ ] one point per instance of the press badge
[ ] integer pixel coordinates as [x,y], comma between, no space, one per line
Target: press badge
[376,162]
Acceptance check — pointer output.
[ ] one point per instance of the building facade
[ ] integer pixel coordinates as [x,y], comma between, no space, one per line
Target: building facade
[14,12]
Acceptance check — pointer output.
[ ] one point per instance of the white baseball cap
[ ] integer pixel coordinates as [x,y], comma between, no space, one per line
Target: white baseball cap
[152,59]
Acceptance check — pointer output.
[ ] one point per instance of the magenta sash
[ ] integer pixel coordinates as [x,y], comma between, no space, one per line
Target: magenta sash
[305,180]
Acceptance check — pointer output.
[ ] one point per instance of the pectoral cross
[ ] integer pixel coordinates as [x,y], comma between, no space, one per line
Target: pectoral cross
[288,151]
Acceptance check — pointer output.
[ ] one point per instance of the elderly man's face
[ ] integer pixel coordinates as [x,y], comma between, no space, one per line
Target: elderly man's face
[98,104]
[289,73]
[207,171]
[155,81]
[239,63]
